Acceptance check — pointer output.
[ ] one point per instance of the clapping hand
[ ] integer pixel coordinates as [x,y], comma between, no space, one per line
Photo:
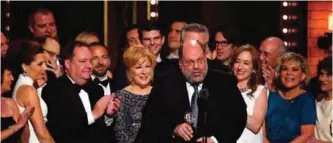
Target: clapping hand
[25,115]
[114,105]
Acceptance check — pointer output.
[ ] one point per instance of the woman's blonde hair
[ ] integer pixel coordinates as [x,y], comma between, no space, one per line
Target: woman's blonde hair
[294,57]
[133,55]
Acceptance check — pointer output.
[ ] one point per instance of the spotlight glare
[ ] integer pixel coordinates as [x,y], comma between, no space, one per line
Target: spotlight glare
[152,14]
[285,17]
[285,30]
[285,4]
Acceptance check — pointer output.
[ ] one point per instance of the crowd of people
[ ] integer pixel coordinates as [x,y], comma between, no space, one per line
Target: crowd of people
[209,88]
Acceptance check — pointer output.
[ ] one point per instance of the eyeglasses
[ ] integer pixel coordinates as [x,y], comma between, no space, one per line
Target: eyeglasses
[190,63]
[222,43]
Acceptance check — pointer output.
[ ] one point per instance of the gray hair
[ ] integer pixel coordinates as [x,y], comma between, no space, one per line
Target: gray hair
[195,27]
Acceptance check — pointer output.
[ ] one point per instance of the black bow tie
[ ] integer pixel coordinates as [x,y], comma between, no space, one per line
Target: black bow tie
[104,82]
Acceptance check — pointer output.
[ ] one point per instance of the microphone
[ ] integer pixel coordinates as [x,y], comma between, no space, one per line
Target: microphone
[204,94]
[203,99]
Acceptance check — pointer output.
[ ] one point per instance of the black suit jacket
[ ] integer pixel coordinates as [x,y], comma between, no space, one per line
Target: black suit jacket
[168,103]
[67,118]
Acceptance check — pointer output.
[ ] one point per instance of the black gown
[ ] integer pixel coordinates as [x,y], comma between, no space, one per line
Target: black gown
[5,123]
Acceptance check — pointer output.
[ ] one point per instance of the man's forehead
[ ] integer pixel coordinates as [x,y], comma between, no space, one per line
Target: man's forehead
[42,17]
[151,33]
[178,25]
[200,36]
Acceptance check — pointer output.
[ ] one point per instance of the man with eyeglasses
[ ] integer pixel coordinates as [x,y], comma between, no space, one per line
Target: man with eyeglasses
[226,39]
[177,110]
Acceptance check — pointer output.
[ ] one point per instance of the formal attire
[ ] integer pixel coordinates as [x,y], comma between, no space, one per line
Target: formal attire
[129,115]
[104,82]
[284,118]
[247,135]
[5,123]
[169,105]
[323,128]
[70,111]
[26,80]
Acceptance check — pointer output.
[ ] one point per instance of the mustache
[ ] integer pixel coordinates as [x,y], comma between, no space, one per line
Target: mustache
[100,66]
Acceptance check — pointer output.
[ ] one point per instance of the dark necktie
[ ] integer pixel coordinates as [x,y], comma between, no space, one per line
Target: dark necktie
[104,82]
[194,105]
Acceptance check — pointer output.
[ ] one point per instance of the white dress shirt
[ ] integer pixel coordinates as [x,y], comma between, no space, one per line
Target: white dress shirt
[190,91]
[158,58]
[86,103]
[106,89]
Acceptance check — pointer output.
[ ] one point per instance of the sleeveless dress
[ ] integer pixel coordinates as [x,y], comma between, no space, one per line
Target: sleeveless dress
[25,80]
[5,123]
[247,135]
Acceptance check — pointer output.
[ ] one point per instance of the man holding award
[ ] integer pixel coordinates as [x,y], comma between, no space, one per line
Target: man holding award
[178,112]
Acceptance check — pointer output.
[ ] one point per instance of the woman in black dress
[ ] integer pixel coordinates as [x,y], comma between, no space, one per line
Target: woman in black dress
[12,122]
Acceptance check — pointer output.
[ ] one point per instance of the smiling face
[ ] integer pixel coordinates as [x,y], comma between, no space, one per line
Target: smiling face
[142,73]
[243,66]
[100,60]
[7,79]
[325,80]
[80,67]
[36,69]
[291,74]
[153,40]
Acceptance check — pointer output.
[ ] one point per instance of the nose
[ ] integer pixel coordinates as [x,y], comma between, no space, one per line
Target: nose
[89,64]
[261,57]
[152,42]
[44,66]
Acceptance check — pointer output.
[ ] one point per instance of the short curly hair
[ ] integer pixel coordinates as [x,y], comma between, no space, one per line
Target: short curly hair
[133,55]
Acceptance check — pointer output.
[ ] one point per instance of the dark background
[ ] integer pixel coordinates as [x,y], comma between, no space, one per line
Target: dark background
[256,20]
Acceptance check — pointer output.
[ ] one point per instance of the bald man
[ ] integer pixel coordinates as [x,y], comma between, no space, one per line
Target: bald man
[270,49]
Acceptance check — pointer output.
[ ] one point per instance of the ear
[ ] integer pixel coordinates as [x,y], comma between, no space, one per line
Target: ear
[303,76]
[24,67]
[31,29]
[163,38]
[67,64]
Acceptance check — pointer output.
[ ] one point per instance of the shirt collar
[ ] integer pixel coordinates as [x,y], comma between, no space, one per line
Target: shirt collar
[105,77]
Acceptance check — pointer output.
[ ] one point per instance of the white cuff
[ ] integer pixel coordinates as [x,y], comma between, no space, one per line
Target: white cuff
[91,119]
[214,139]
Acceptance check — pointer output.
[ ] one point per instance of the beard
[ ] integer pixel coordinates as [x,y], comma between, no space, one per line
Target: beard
[100,73]
[189,76]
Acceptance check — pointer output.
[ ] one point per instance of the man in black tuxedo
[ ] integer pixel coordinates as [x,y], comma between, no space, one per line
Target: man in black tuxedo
[168,115]
[101,62]
[76,105]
